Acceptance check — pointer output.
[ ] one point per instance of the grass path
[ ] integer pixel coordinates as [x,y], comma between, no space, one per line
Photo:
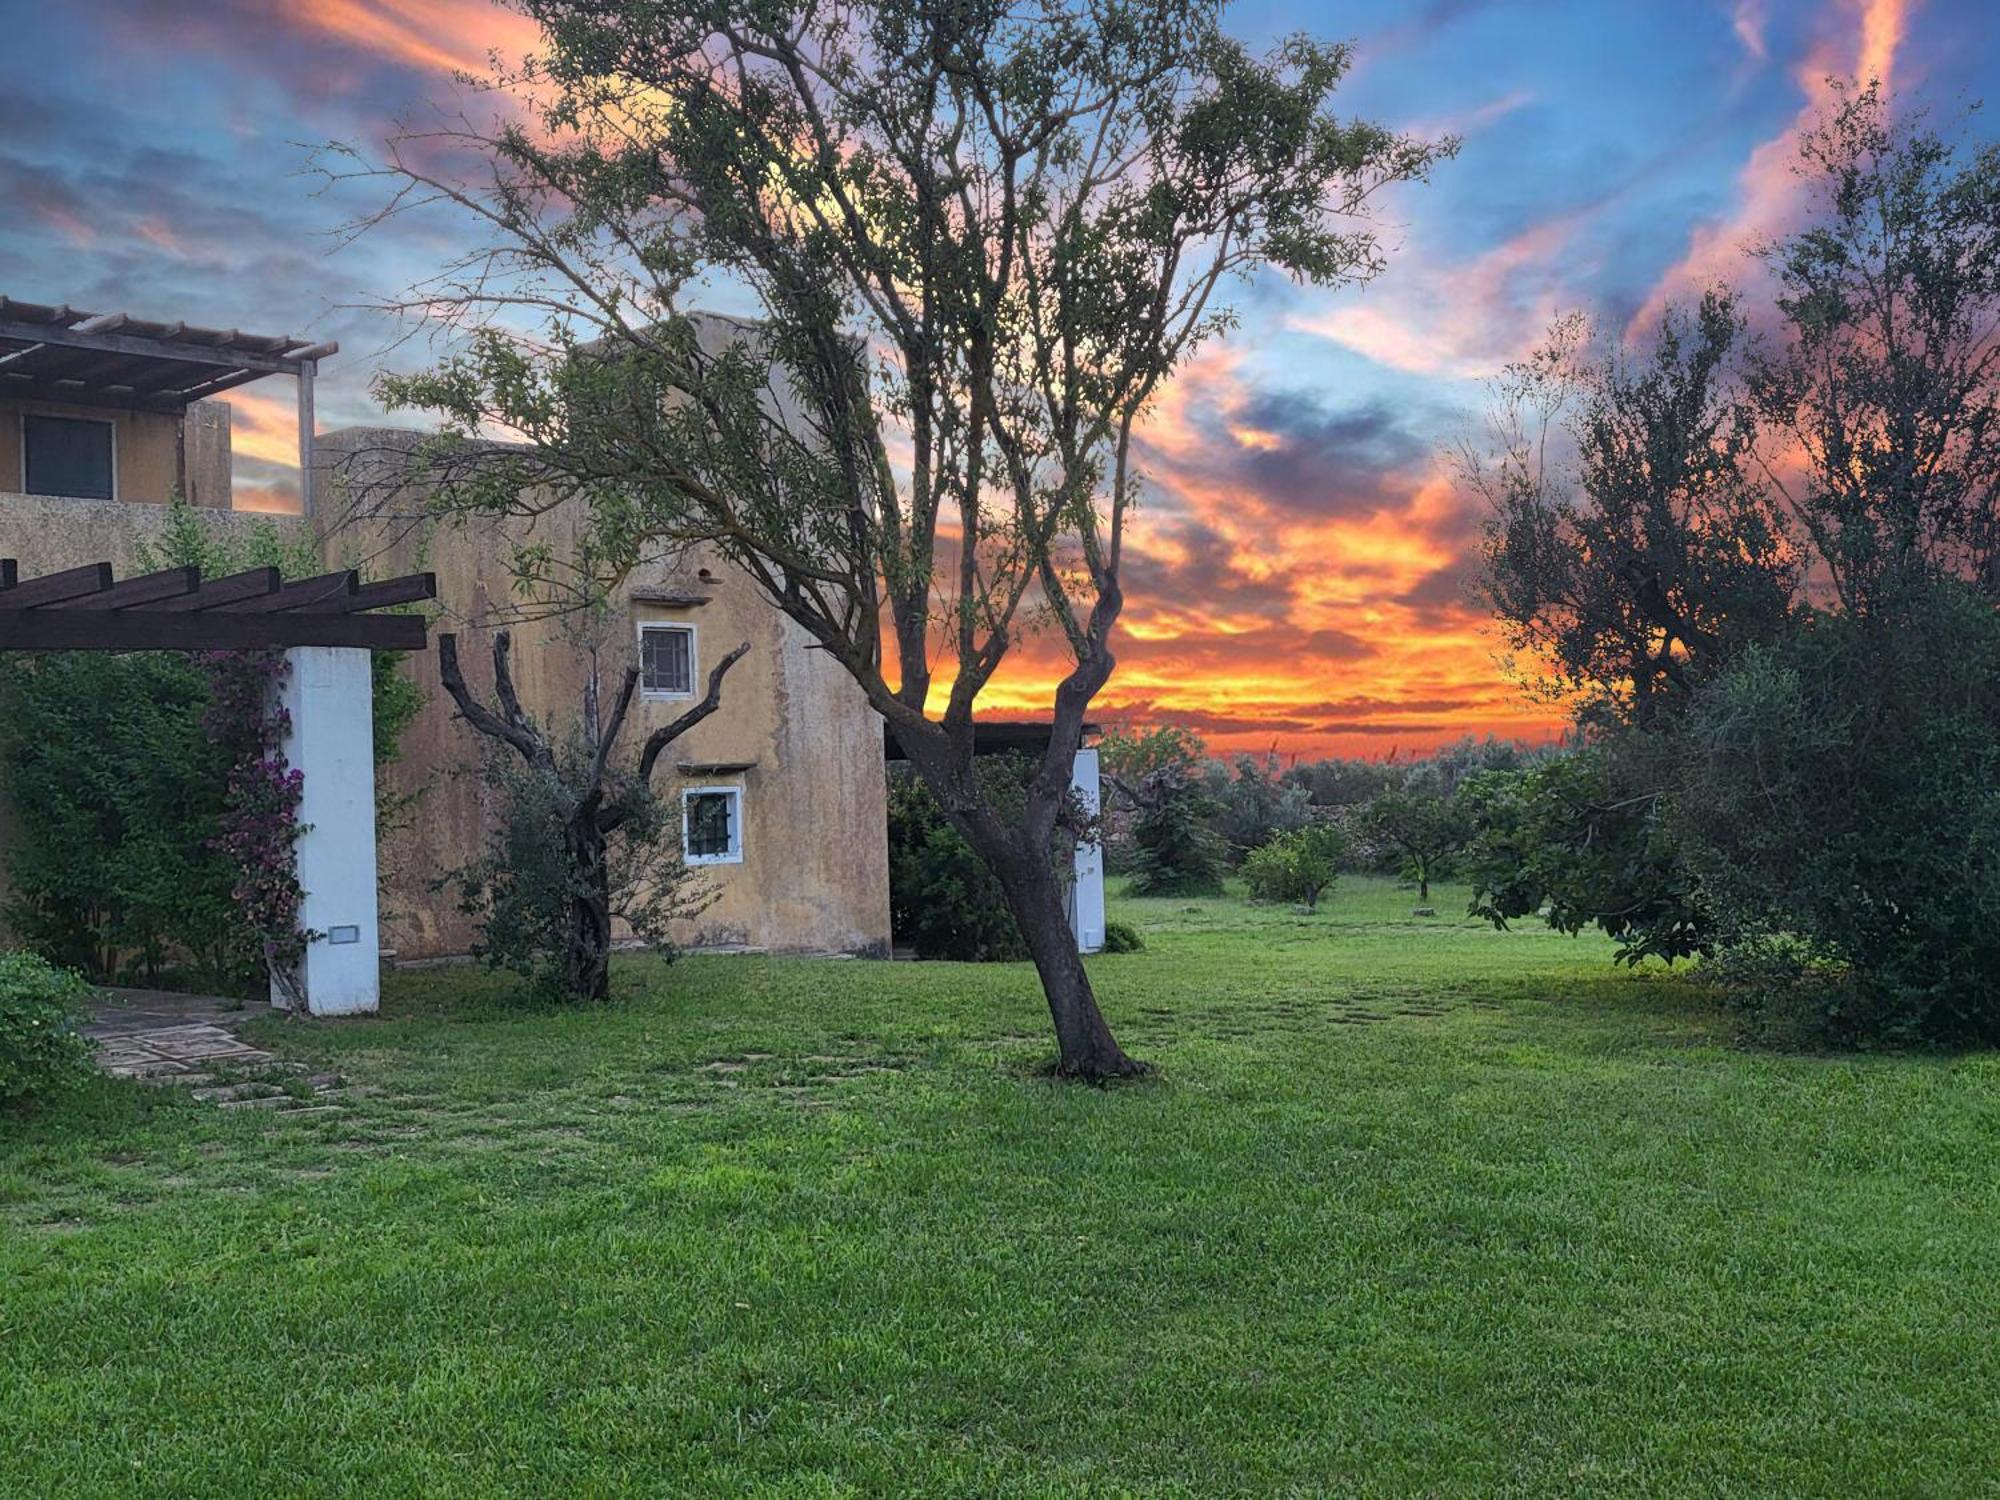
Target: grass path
[1416,1208]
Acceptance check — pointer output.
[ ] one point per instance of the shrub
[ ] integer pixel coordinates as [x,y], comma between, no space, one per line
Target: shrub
[1122,937]
[1252,806]
[524,886]
[1420,827]
[1838,790]
[1299,866]
[117,794]
[1580,839]
[943,900]
[40,1048]
[1175,848]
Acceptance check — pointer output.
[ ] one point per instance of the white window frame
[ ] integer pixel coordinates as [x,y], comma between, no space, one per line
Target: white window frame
[734,856]
[687,628]
[21,439]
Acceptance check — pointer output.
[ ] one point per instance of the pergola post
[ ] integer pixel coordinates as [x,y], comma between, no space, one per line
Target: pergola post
[1086,892]
[328,697]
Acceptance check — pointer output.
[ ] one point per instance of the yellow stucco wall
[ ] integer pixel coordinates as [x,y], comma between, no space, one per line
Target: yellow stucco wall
[145,448]
[814,874]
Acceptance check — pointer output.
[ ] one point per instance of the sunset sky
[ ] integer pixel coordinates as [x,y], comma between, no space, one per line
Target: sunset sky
[1300,575]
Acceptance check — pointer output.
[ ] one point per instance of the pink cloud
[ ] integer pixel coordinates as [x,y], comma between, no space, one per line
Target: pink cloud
[1770,196]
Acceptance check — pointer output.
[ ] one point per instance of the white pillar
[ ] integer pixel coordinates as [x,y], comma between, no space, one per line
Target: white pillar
[1086,892]
[328,694]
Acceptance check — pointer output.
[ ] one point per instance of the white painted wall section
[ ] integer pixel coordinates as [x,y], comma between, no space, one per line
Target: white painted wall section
[328,694]
[1086,892]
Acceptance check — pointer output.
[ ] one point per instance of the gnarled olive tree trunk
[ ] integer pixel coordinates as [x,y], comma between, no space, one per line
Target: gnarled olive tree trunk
[590,821]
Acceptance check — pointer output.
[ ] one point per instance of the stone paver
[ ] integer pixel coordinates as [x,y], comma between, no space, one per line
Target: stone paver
[183,1039]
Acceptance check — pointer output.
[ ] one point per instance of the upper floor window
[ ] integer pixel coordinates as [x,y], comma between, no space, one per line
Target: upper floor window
[666,661]
[66,456]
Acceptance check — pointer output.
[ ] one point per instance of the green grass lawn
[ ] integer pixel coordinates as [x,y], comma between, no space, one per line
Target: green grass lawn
[1415,1208]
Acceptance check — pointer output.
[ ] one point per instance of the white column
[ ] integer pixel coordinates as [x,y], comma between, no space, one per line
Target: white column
[332,742]
[1086,894]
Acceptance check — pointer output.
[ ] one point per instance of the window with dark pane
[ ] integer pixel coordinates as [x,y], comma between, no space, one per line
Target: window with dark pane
[67,456]
[711,825]
[666,659]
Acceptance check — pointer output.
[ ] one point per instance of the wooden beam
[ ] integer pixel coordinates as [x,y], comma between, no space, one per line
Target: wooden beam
[52,588]
[224,590]
[308,427]
[329,591]
[161,348]
[414,589]
[204,630]
[10,573]
[39,390]
[147,588]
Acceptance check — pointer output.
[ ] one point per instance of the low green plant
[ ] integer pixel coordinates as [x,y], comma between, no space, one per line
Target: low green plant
[41,1050]
[1122,937]
[1176,850]
[1300,866]
[943,900]
[526,885]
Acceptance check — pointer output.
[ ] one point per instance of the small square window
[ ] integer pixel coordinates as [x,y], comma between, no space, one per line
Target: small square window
[712,825]
[666,661]
[66,456]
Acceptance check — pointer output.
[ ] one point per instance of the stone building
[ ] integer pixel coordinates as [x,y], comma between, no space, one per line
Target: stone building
[104,417]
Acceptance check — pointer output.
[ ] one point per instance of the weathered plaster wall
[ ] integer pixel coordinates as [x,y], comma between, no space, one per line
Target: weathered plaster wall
[145,447]
[48,533]
[814,875]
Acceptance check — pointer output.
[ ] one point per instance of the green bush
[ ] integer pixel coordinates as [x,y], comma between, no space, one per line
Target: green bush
[1299,866]
[523,887]
[1839,794]
[943,900]
[1122,937]
[1175,848]
[1253,806]
[116,791]
[40,1048]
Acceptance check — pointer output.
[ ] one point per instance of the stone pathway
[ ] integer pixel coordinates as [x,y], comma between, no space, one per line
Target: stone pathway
[190,1039]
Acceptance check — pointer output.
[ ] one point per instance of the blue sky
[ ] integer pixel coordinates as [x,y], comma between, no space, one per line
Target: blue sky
[1617,153]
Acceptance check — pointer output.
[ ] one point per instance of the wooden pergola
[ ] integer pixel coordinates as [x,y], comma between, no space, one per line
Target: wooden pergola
[326,627]
[87,609]
[129,363]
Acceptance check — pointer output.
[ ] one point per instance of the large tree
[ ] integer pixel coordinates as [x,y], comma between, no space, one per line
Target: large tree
[1632,546]
[978,239]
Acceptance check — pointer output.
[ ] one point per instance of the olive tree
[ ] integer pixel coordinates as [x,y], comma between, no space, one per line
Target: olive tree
[977,238]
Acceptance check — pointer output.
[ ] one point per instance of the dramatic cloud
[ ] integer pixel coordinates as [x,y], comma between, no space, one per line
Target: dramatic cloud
[1301,570]
[1857,44]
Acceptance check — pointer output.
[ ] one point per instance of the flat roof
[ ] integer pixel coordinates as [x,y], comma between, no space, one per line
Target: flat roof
[115,359]
[995,737]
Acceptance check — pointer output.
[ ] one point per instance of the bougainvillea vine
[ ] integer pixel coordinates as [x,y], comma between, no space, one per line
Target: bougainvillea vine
[260,820]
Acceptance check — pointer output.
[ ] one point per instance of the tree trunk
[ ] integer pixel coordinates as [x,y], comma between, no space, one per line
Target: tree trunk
[589,956]
[1035,896]
[1423,885]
